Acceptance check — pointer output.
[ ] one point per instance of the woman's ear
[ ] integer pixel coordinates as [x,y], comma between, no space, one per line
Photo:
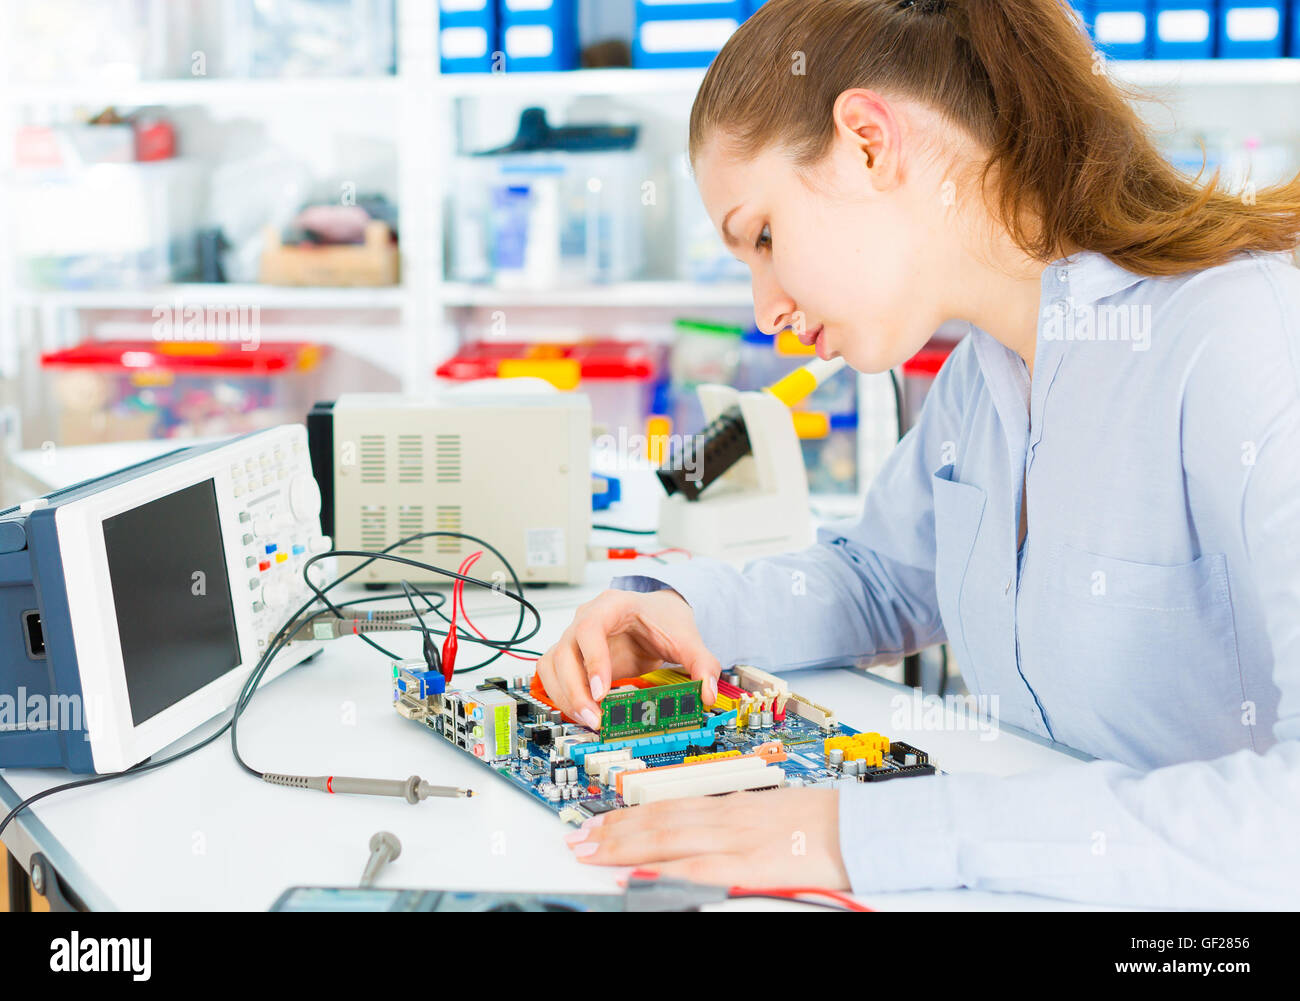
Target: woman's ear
[865,122]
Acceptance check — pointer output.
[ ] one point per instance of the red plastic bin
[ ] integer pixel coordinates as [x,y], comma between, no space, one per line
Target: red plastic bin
[131,390]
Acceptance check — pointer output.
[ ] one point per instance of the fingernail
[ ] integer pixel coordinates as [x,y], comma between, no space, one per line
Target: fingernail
[573,837]
[589,717]
[585,849]
[597,688]
[591,822]
[710,691]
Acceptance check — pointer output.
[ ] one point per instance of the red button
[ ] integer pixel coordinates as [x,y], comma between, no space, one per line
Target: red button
[264,565]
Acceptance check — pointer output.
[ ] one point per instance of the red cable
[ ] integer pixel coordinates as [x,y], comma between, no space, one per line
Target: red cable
[794,892]
[458,598]
[673,550]
[450,643]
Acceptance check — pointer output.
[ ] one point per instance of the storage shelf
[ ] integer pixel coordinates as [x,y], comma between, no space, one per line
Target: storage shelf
[574,82]
[1192,72]
[203,90]
[642,294]
[265,296]
[1207,72]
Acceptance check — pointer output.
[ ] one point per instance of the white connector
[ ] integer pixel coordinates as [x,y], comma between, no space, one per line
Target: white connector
[708,778]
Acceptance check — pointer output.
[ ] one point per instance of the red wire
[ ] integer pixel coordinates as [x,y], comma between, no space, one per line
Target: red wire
[795,892]
[458,597]
[662,551]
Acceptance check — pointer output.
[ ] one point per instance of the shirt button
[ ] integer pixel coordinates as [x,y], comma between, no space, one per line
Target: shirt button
[1063,274]
[1006,586]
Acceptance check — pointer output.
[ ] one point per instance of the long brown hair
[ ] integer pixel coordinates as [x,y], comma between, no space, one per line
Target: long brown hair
[1072,163]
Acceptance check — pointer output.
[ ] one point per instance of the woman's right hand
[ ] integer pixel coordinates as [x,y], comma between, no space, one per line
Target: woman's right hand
[623,634]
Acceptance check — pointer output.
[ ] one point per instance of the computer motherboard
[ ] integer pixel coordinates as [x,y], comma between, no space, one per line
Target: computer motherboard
[657,740]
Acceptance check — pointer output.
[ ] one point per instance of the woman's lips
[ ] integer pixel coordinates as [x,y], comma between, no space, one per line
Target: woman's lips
[809,337]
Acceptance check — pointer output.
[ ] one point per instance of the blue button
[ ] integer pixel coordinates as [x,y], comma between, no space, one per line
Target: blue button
[299,550]
[270,549]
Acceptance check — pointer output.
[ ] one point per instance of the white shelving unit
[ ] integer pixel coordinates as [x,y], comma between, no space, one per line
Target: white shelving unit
[425,312]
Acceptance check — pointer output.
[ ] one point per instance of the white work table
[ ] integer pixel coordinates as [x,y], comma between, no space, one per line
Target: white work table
[202,834]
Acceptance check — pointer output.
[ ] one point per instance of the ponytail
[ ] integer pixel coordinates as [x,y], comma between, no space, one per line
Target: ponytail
[1070,162]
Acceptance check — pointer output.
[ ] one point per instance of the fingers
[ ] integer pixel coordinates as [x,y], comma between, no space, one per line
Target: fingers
[571,692]
[591,637]
[612,846]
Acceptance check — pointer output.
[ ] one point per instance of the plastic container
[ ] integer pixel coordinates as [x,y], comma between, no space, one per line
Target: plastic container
[135,390]
[95,41]
[1120,28]
[539,35]
[683,33]
[106,226]
[702,352]
[619,377]
[1184,29]
[547,219]
[1252,29]
[308,38]
[469,35]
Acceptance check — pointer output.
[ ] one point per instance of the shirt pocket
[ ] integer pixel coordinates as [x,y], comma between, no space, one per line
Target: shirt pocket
[1149,648]
[958,511]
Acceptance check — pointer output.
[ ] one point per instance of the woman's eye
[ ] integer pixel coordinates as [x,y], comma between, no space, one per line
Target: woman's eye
[764,238]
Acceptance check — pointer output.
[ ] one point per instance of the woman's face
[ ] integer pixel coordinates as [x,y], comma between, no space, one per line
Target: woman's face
[850,260]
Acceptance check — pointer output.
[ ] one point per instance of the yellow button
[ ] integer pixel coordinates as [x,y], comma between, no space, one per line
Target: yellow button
[281,557]
[810,425]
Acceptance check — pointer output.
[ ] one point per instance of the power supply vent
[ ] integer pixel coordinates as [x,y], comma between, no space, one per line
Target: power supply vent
[373,459]
[374,527]
[410,521]
[448,520]
[447,458]
[410,458]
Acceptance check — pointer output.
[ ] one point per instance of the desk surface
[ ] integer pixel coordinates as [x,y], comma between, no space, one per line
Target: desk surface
[202,834]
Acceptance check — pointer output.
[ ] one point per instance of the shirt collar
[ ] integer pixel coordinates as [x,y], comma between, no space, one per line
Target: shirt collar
[1088,277]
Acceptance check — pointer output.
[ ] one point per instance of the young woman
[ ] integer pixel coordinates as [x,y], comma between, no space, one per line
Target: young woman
[1099,510]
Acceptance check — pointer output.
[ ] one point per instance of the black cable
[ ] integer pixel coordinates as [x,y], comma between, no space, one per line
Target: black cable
[367,558]
[626,531]
[899,415]
[278,642]
[431,655]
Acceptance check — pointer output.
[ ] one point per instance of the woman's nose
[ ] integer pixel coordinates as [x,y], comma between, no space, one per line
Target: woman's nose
[773,308]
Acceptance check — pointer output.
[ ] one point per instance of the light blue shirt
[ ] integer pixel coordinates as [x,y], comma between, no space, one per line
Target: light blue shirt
[1151,620]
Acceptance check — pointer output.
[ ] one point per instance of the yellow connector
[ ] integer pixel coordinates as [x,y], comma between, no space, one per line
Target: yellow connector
[710,757]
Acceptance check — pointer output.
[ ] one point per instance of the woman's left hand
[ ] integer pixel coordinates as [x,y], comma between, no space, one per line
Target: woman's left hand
[783,837]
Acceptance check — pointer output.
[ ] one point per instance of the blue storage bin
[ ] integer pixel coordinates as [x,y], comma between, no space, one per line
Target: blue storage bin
[1120,28]
[539,35]
[683,33]
[1294,49]
[1184,29]
[468,35]
[1252,29]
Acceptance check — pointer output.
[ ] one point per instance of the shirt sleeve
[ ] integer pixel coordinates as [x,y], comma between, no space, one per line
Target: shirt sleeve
[863,593]
[1208,834]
